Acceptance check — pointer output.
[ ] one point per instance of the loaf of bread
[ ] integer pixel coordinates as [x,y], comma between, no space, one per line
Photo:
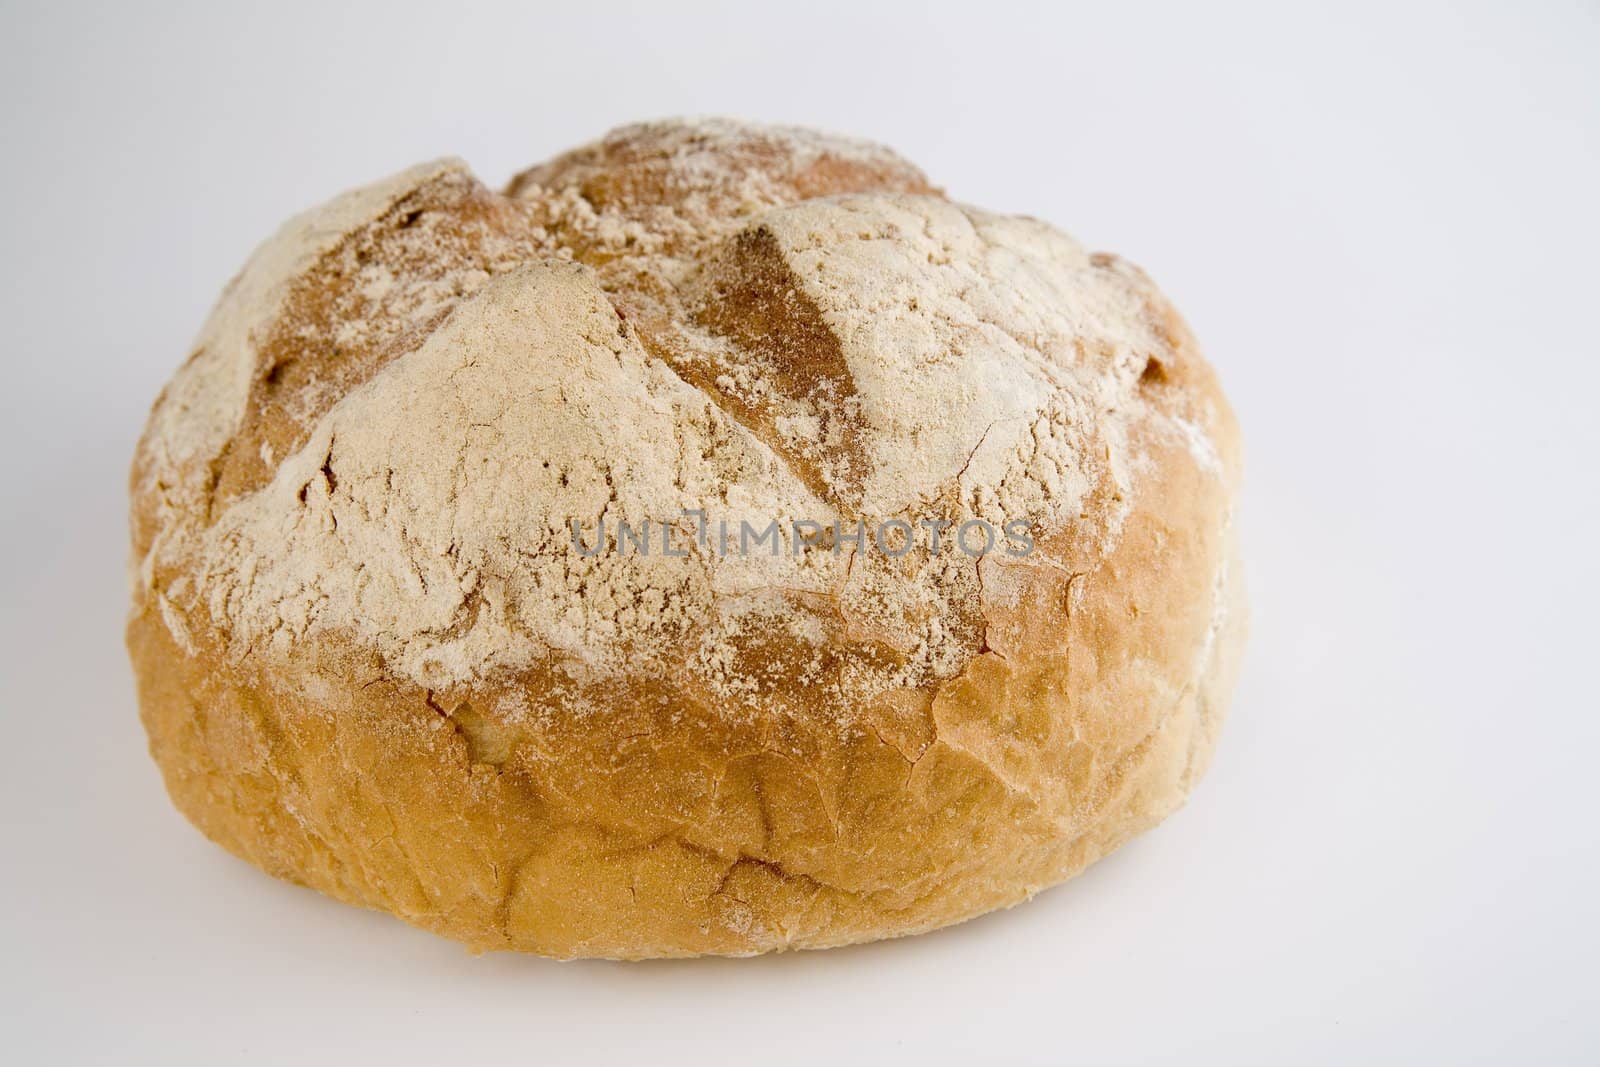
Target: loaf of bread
[717,542]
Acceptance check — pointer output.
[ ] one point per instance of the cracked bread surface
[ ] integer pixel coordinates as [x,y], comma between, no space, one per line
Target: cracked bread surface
[370,659]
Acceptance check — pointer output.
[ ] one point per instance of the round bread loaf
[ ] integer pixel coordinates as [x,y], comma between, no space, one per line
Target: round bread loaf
[718,542]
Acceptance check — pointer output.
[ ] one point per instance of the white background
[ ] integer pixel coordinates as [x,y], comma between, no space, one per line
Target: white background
[1380,220]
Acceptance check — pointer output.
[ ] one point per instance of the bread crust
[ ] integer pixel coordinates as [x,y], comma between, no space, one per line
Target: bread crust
[610,791]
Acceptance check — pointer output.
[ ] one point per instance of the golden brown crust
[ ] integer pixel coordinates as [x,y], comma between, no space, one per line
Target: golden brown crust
[803,786]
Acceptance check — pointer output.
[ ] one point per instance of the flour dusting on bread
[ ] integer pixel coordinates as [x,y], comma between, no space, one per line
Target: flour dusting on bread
[408,395]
